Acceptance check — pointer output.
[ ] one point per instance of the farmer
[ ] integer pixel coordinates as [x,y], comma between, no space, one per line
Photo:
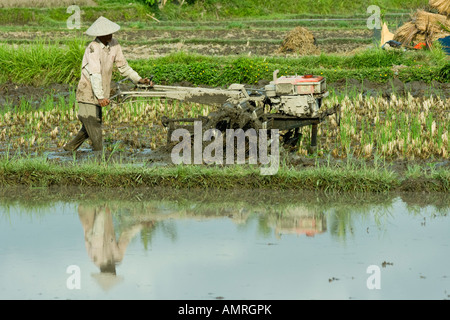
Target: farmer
[94,86]
[104,249]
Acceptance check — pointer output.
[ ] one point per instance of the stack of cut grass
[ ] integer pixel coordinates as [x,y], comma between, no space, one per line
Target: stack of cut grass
[424,27]
[443,6]
[299,41]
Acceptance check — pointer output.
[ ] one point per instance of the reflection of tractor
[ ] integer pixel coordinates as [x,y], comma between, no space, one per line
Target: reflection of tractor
[287,104]
[300,220]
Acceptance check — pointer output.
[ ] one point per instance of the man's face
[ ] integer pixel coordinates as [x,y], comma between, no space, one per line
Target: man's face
[105,39]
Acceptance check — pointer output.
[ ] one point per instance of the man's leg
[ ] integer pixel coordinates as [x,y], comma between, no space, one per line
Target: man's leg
[76,142]
[94,129]
[90,116]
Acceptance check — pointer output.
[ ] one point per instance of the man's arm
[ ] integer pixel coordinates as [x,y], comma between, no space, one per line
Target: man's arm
[128,72]
[97,87]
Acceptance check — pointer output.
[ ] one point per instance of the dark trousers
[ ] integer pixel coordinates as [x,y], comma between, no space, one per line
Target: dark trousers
[91,129]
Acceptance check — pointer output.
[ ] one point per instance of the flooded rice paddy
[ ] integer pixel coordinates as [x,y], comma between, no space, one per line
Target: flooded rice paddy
[172,244]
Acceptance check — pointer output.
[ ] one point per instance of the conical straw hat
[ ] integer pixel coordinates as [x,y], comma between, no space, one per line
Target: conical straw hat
[102,27]
[107,280]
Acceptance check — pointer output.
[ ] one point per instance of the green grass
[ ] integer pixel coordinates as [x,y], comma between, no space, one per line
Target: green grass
[41,63]
[44,62]
[35,20]
[374,65]
[37,172]
[58,16]
[212,10]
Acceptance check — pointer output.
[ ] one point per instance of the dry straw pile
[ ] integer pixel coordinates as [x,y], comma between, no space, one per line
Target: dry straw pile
[299,41]
[443,6]
[424,27]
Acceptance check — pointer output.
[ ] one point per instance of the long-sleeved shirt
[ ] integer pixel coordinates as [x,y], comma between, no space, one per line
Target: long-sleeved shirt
[96,70]
[100,236]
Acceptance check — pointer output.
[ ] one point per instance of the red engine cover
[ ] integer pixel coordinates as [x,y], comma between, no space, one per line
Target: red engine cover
[299,79]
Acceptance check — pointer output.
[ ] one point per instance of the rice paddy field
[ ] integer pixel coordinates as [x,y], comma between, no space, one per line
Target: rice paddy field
[395,105]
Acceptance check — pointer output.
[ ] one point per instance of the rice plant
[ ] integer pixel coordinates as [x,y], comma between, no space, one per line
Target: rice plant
[371,127]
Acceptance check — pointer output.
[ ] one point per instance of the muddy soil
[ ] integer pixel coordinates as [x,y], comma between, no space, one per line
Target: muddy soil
[391,87]
[149,35]
[330,41]
[135,52]
[236,34]
[236,41]
[11,94]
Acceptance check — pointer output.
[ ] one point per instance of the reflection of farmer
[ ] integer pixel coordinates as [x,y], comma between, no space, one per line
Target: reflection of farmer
[100,240]
[94,86]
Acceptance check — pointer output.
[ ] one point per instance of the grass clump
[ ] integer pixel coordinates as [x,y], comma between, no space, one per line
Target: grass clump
[38,172]
[219,9]
[41,63]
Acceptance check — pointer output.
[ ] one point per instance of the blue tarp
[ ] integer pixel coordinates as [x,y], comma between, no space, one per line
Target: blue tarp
[445,42]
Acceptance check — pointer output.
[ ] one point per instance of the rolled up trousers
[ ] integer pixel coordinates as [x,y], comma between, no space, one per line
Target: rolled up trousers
[90,116]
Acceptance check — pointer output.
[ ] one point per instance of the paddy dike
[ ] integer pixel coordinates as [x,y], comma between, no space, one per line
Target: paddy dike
[135,170]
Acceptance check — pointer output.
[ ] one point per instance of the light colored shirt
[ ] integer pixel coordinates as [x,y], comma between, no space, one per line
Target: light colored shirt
[97,68]
[100,236]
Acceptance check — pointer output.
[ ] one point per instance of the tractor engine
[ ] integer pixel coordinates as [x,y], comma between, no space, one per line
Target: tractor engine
[299,96]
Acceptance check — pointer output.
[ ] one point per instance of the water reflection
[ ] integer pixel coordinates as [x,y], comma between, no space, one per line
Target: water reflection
[271,219]
[279,213]
[109,228]
[101,244]
[298,220]
[202,242]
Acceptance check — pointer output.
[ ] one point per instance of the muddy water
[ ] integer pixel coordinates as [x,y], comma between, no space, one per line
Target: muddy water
[169,244]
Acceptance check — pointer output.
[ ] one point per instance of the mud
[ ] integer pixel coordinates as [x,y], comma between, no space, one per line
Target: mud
[156,34]
[11,94]
[393,86]
[141,44]
[237,34]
